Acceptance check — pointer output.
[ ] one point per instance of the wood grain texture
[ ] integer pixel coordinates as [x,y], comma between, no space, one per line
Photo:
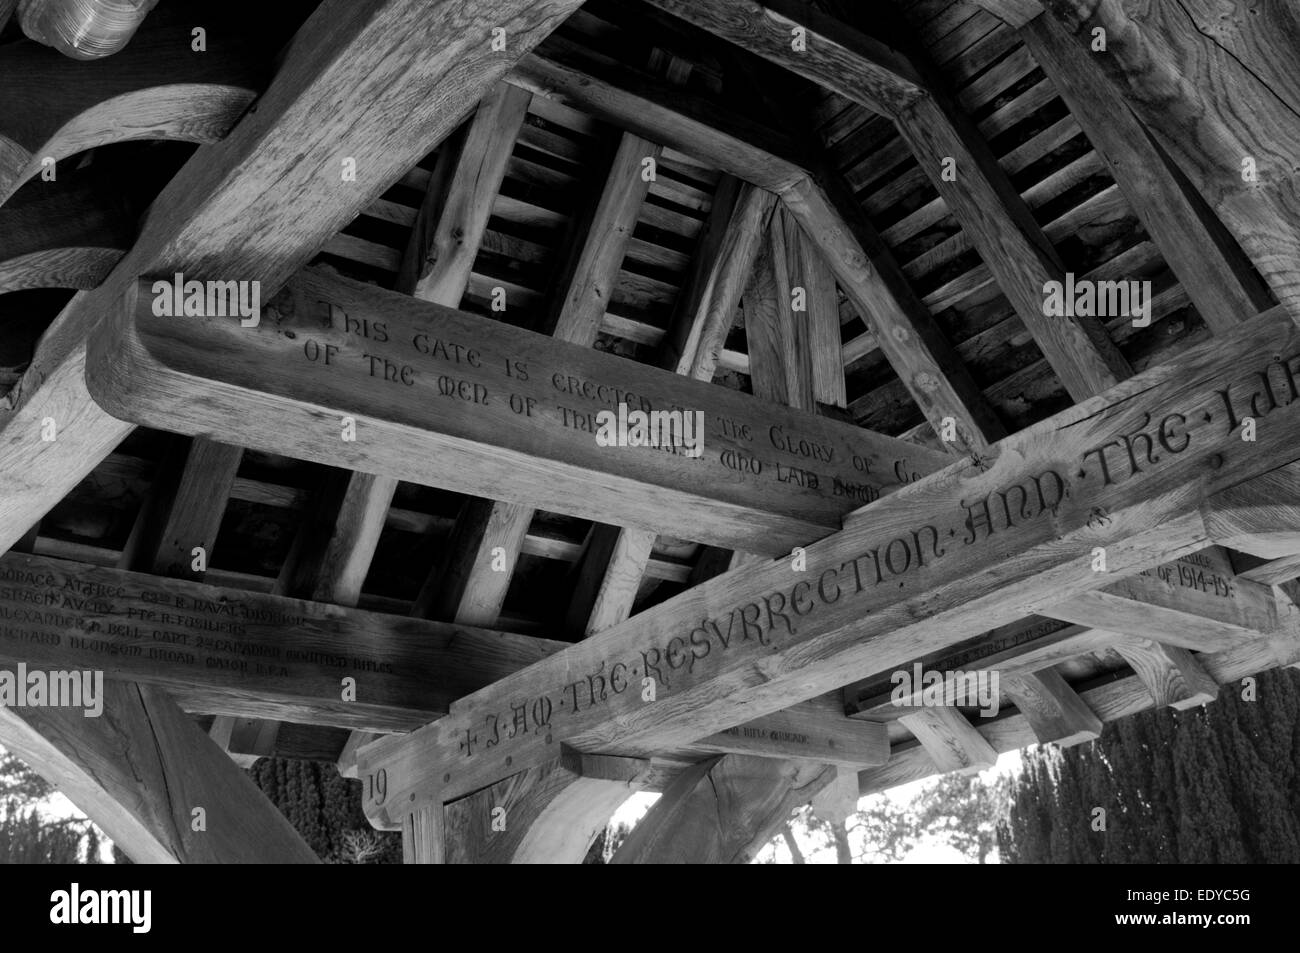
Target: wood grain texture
[1195,602]
[155,88]
[813,730]
[469,584]
[1055,713]
[1014,13]
[1002,229]
[341,569]
[1026,645]
[471,437]
[584,287]
[904,328]
[251,209]
[1211,108]
[248,654]
[423,836]
[836,56]
[779,339]
[1259,516]
[1143,517]
[808,270]
[1270,572]
[658,110]
[1218,277]
[450,224]
[141,769]
[949,739]
[1110,699]
[549,814]
[1171,674]
[722,812]
[68,233]
[722,267]
[582,292]
[197,507]
[838,801]
[608,577]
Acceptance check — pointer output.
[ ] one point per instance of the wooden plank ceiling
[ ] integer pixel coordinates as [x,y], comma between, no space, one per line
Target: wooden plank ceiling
[537,201]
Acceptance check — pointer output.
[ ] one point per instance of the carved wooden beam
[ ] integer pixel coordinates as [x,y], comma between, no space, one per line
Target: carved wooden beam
[812,44]
[63,234]
[1226,115]
[156,88]
[457,401]
[857,611]
[252,210]
[146,774]
[723,811]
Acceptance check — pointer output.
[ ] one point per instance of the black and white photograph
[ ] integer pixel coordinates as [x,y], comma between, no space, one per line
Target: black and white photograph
[652,432]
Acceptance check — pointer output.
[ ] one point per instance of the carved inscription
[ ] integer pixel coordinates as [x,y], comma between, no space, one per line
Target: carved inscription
[116,625]
[827,463]
[1194,572]
[1135,444]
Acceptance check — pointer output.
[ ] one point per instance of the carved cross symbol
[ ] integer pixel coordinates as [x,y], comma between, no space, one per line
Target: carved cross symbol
[468,744]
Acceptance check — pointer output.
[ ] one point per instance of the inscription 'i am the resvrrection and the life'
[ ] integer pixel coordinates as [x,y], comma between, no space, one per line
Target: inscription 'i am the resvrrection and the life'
[1148,442]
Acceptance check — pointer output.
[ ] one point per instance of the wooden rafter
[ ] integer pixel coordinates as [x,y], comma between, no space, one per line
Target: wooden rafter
[1139,515]
[539,450]
[1236,148]
[979,194]
[145,773]
[256,188]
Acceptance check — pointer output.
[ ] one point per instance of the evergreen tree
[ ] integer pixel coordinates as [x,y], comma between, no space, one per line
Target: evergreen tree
[27,835]
[1212,785]
[325,808]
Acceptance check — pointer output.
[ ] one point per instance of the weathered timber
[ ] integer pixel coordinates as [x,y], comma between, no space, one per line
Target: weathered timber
[1015,13]
[712,292]
[382,77]
[998,223]
[141,770]
[156,88]
[814,730]
[825,208]
[658,110]
[1026,645]
[902,325]
[1237,146]
[834,55]
[764,637]
[1053,709]
[1171,674]
[722,812]
[1194,601]
[1110,699]
[248,654]
[63,234]
[1219,279]
[460,402]
[1260,516]
[549,814]
[949,739]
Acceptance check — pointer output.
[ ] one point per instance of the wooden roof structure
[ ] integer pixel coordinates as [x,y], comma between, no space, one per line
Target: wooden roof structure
[373,523]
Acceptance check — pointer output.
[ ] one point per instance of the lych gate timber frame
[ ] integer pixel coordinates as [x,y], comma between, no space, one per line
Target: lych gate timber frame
[1132,549]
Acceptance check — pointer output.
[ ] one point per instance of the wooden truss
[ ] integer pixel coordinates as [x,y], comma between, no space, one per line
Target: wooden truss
[1104,519]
